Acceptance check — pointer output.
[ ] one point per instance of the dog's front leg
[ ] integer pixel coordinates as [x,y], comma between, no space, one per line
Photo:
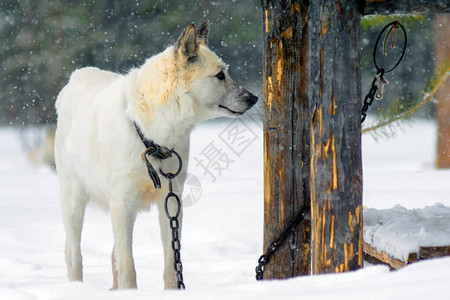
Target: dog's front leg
[73,204]
[123,219]
[166,237]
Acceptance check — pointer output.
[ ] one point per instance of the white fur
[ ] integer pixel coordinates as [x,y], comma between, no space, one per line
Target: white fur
[98,151]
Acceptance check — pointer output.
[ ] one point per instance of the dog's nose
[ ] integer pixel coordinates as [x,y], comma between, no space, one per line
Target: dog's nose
[250,99]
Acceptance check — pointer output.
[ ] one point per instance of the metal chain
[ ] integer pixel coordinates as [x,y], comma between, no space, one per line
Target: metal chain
[375,92]
[378,83]
[175,224]
[274,246]
[153,149]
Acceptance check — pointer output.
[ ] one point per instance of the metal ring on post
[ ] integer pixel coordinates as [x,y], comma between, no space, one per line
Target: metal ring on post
[394,23]
[180,166]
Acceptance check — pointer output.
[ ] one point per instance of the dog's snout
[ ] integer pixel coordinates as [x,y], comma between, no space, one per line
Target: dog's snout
[250,99]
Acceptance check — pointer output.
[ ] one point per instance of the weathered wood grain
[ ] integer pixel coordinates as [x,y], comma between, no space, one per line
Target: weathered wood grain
[431,252]
[286,134]
[442,41]
[388,259]
[335,166]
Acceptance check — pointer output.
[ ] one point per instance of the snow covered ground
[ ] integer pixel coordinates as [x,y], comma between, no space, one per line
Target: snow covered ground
[222,229]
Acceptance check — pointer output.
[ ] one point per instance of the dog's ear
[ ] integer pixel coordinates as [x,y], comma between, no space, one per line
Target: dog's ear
[187,42]
[202,33]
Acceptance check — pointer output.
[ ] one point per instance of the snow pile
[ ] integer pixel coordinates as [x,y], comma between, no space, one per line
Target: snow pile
[400,231]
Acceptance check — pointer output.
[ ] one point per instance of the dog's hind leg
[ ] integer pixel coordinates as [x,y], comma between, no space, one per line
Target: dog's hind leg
[115,285]
[166,238]
[73,204]
[123,218]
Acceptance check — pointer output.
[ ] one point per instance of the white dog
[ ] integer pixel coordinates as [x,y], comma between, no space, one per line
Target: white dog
[98,149]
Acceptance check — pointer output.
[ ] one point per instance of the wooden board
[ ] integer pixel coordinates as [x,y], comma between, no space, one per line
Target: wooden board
[388,259]
[431,252]
[374,256]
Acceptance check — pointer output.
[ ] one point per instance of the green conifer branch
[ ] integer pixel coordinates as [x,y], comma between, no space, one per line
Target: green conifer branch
[402,111]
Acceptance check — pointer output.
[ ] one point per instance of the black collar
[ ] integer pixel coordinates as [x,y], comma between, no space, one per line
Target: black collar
[145,141]
[152,149]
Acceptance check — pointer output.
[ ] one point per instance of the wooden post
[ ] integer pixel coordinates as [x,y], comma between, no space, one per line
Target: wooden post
[286,134]
[442,24]
[335,97]
[312,134]
[312,131]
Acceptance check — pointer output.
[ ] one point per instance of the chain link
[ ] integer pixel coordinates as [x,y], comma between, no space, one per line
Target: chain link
[175,224]
[274,246]
[161,152]
[378,83]
[375,92]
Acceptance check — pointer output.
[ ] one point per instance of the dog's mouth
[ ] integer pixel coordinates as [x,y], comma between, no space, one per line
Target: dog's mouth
[231,111]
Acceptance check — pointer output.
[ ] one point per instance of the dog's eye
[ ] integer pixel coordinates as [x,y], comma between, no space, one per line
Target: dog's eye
[220,75]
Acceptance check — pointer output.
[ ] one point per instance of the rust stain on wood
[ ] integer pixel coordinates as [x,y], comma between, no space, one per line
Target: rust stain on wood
[337,269]
[350,223]
[267,178]
[288,33]
[333,153]
[295,8]
[270,93]
[281,213]
[280,65]
[325,260]
[313,158]
[324,24]
[321,236]
[267,21]
[332,105]
[359,222]
[345,257]
[332,244]
[320,121]
[325,149]
[349,254]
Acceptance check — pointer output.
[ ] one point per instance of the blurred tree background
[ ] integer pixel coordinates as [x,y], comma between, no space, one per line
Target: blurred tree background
[43,41]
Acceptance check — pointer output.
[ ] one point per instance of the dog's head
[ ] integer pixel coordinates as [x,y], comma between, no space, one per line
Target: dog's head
[204,76]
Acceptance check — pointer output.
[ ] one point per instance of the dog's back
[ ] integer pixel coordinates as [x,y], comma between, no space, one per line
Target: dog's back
[77,145]
[84,80]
